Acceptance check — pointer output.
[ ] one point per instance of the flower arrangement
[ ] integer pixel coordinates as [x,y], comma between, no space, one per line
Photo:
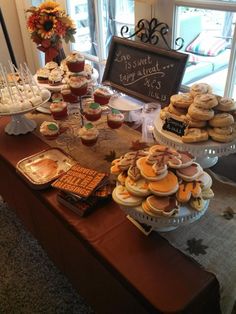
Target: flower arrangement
[48,24]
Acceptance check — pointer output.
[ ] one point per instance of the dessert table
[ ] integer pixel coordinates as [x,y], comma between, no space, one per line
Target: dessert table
[111,263]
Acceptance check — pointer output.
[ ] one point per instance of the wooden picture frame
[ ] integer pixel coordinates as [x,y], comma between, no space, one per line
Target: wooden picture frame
[144,71]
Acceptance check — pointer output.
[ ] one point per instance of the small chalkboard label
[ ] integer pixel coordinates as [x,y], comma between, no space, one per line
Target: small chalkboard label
[174,126]
[144,71]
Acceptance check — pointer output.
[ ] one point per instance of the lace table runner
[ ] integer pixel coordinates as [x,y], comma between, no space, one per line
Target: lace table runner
[211,240]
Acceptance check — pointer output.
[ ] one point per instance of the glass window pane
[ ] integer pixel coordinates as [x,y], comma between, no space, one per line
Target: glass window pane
[208,37]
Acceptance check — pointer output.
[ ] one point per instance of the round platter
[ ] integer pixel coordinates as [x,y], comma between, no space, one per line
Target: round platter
[186,215]
[124,103]
[204,149]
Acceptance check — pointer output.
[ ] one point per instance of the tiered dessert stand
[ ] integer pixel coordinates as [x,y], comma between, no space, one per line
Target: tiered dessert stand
[207,153]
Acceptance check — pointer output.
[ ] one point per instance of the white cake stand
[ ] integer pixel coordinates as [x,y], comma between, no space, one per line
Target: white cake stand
[186,215]
[19,124]
[207,152]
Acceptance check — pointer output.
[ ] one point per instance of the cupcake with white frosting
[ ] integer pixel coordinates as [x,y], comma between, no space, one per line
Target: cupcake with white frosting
[58,109]
[93,111]
[102,95]
[49,129]
[75,62]
[55,77]
[78,85]
[88,134]
[115,119]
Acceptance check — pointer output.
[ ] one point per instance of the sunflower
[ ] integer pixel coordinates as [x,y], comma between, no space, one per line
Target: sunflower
[47,26]
[49,7]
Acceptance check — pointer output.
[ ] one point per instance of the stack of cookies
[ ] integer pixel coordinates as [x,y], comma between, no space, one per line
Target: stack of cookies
[206,115]
[158,181]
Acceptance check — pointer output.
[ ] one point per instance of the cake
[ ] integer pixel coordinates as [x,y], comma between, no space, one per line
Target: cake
[58,109]
[102,95]
[115,119]
[75,62]
[78,85]
[49,129]
[93,111]
[42,75]
[68,95]
[88,134]
[51,65]
[55,77]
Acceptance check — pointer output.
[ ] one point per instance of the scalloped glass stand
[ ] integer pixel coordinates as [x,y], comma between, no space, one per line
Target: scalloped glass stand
[185,216]
[19,124]
[207,153]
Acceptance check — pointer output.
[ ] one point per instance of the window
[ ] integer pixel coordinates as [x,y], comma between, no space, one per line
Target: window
[208,29]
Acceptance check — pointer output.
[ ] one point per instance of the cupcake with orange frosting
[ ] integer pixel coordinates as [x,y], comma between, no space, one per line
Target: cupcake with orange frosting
[78,85]
[88,134]
[75,62]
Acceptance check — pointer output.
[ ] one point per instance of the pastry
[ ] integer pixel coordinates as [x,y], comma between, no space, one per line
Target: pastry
[102,95]
[193,123]
[226,130]
[181,100]
[178,111]
[199,113]
[51,65]
[226,104]
[88,134]
[121,196]
[222,120]
[193,135]
[207,194]
[115,119]
[223,138]
[93,111]
[78,85]
[206,101]
[58,109]
[122,177]
[130,159]
[75,62]
[137,188]
[50,130]
[187,190]
[200,88]
[166,186]
[164,113]
[160,206]
[190,173]
[134,172]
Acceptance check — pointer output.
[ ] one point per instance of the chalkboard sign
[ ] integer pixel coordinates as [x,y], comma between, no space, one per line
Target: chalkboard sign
[143,70]
[174,126]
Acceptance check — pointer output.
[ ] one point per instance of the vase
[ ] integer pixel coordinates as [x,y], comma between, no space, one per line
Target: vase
[58,58]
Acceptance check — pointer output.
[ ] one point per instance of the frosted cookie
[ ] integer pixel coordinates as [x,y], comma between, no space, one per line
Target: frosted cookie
[200,88]
[160,206]
[198,113]
[193,135]
[161,148]
[137,188]
[207,194]
[226,104]
[193,123]
[205,180]
[130,159]
[190,173]
[206,101]
[181,100]
[177,110]
[121,196]
[198,203]
[223,138]
[166,186]
[134,172]
[187,190]
[222,120]
[186,158]
[122,177]
[147,170]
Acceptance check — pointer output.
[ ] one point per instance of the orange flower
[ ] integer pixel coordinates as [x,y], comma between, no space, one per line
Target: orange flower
[49,7]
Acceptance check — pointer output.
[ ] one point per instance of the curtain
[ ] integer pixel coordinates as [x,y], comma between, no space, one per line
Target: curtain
[92,30]
[111,22]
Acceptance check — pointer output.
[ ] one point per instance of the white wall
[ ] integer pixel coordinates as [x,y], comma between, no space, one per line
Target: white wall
[13,27]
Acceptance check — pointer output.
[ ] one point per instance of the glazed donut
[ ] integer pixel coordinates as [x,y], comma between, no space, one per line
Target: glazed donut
[177,111]
[198,113]
[200,88]
[226,104]
[222,120]
[223,138]
[195,123]
[181,100]
[206,101]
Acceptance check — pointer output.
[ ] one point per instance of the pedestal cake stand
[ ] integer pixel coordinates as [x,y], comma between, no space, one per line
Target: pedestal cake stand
[207,152]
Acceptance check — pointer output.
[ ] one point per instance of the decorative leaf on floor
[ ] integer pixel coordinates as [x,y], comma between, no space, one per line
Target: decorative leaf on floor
[228,213]
[196,247]
[137,145]
[111,156]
